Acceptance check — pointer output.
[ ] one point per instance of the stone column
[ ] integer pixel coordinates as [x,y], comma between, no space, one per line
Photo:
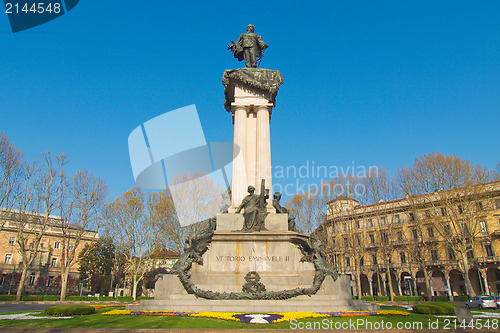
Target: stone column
[371,287]
[239,180]
[264,149]
[484,274]
[448,286]
[399,286]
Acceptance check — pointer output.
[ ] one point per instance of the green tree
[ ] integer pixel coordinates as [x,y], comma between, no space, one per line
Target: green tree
[96,264]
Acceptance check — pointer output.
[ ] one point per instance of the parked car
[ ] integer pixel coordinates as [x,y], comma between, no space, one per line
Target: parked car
[481,302]
[497,300]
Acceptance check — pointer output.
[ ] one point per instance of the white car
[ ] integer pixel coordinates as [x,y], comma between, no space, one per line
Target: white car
[481,302]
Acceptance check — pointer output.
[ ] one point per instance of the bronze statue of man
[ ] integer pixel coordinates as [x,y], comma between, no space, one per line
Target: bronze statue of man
[255,209]
[284,210]
[249,46]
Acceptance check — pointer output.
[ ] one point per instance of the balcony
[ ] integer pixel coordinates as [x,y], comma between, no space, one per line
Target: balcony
[485,261]
[372,245]
[440,264]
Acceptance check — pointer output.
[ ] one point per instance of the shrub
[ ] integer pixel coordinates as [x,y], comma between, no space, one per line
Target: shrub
[407,298]
[32,298]
[7,298]
[51,298]
[462,298]
[435,308]
[440,298]
[69,310]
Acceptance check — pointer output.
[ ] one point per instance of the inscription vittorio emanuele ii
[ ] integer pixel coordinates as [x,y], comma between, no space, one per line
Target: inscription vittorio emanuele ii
[253,258]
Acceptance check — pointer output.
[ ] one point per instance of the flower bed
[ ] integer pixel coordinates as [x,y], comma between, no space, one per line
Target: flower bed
[265,318]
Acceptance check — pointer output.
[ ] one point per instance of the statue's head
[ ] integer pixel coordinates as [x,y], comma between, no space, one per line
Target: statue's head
[251,189]
[250,28]
[277,195]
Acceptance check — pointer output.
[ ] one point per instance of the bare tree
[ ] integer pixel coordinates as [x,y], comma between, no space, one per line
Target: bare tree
[135,233]
[186,207]
[81,211]
[380,188]
[39,198]
[11,167]
[451,187]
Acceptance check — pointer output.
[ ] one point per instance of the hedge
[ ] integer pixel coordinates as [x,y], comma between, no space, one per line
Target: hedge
[32,298]
[375,298]
[7,298]
[435,308]
[69,310]
[407,298]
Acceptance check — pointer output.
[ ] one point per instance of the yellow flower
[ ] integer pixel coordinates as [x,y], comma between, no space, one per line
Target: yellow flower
[287,316]
[116,312]
[219,315]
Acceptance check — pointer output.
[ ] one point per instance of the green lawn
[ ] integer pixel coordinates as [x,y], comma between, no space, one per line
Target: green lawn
[134,321]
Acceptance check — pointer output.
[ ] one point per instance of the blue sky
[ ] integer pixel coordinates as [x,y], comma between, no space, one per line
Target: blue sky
[374,82]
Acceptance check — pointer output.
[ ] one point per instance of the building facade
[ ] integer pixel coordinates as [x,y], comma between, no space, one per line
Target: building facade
[44,274]
[397,245]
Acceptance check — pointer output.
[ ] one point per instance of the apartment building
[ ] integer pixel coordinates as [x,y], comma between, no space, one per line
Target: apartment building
[44,274]
[410,239]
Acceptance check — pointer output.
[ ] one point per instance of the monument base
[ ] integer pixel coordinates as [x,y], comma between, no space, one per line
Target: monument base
[272,254]
[333,296]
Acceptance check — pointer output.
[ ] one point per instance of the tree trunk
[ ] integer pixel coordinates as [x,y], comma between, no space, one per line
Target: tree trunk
[358,280]
[64,282]
[468,284]
[134,288]
[427,284]
[389,279]
[20,288]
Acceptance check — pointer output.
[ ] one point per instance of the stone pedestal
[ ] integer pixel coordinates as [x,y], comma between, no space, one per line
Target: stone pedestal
[232,254]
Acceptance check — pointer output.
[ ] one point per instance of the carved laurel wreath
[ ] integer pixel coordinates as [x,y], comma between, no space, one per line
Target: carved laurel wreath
[196,246]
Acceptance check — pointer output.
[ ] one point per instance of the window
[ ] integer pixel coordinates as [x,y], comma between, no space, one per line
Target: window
[434,255]
[374,259]
[344,207]
[396,218]
[8,259]
[382,220]
[443,211]
[451,254]
[447,229]
[483,227]
[32,279]
[488,250]
[414,234]
[2,280]
[71,246]
[427,214]
[358,240]
[12,240]
[43,244]
[357,224]
[372,237]
[402,257]
[346,242]
[385,237]
[399,235]
[53,262]
[470,254]
[460,209]
[370,223]
[347,261]
[479,205]
[412,217]
[497,203]
[362,261]
[50,281]
[57,245]
[430,232]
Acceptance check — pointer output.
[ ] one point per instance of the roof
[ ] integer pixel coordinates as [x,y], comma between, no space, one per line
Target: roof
[164,254]
[342,197]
